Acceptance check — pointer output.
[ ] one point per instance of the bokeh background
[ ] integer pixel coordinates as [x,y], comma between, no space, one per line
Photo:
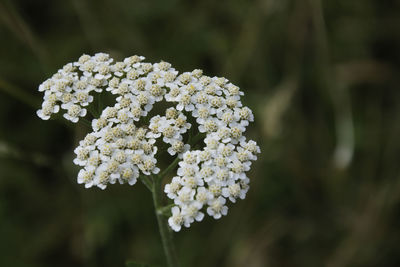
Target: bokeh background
[322,78]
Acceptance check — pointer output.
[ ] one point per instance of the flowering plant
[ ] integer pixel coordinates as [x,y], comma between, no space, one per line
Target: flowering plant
[123,145]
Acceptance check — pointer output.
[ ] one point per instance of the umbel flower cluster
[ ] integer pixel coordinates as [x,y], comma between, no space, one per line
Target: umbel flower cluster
[119,149]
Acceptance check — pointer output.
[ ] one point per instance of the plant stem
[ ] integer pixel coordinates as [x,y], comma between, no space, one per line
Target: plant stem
[169,168]
[193,141]
[86,122]
[147,182]
[166,235]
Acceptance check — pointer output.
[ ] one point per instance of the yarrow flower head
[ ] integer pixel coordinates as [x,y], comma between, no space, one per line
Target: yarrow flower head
[121,148]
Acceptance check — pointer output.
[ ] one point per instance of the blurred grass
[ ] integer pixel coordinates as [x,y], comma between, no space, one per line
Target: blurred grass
[322,78]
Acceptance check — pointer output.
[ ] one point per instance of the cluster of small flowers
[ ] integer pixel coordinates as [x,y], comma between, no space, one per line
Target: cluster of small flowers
[206,178]
[119,150]
[71,86]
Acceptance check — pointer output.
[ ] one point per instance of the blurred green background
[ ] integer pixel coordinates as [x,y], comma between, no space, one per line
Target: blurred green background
[322,78]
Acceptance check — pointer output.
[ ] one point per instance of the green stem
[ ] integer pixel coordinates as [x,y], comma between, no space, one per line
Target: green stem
[169,168]
[86,122]
[193,141]
[99,104]
[166,235]
[93,111]
[147,182]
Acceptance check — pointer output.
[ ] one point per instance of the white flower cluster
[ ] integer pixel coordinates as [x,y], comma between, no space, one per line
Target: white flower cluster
[71,86]
[118,149]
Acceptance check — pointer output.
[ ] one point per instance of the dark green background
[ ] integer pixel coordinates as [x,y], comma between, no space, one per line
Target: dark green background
[322,78]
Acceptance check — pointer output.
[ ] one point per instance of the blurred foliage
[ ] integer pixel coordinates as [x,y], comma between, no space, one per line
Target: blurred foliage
[322,78]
